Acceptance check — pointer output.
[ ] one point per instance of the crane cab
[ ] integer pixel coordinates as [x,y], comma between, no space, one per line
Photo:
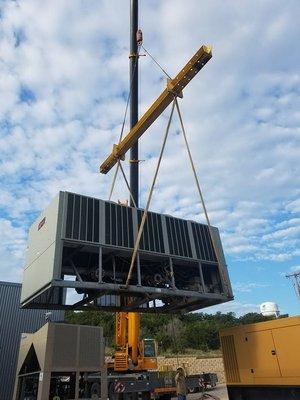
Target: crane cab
[148,354]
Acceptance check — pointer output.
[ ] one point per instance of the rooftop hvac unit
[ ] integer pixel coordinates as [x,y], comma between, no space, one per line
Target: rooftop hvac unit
[86,244]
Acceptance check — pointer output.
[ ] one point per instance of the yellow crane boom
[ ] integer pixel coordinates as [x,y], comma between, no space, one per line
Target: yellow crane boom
[174,88]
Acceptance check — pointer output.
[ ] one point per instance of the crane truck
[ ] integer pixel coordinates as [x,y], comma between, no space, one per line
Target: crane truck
[133,355]
[134,369]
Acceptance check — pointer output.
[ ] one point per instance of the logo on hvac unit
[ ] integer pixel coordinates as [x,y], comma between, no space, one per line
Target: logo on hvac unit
[119,387]
[41,223]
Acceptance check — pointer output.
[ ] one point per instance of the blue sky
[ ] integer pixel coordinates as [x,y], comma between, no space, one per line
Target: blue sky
[64,72]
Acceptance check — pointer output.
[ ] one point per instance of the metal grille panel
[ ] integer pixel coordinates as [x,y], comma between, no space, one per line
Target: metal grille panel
[203,242]
[118,225]
[82,222]
[178,237]
[230,360]
[64,354]
[90,346]
[152,236]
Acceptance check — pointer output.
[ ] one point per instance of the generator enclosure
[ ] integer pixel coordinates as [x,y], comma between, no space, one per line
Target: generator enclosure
[54,360]
[262,360]
[80,249]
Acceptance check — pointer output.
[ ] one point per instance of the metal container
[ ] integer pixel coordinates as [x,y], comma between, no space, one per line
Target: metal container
[86,244]
[261,360]
[53,361]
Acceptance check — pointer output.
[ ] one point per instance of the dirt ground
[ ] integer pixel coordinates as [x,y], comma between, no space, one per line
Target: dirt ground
[220,391]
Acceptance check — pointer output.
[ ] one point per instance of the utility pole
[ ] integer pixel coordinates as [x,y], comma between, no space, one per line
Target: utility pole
[133,57]
[295,278]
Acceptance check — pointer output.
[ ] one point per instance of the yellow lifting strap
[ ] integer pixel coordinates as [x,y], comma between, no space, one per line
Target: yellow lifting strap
[174,88]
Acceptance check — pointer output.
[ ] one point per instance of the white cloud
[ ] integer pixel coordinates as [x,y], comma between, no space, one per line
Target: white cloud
[13,244]
[245,287]
[234,306]
[294,206]
[295,269]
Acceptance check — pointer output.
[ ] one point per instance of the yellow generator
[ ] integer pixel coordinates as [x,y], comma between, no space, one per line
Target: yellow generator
[262,360]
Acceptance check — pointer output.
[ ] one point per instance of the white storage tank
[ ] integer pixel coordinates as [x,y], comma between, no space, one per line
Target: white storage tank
[269,309]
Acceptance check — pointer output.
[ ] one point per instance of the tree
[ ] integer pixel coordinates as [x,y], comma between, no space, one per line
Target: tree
[174,334]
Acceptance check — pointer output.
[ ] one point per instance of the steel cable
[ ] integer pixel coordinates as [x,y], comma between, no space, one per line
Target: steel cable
[156,62]
[123,123]
[127,184]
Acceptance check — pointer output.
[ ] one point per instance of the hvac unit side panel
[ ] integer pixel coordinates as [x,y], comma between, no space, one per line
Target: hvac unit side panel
[43,248]
[39,274]
[59,234]
[223,266]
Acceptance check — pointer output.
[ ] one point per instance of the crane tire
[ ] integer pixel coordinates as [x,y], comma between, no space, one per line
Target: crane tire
[95,391]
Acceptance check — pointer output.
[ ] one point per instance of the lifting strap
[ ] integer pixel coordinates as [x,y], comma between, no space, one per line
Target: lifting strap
[140,231]
[215,247]
[145,213]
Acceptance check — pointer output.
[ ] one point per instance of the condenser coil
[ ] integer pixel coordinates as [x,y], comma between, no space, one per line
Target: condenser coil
[79,253]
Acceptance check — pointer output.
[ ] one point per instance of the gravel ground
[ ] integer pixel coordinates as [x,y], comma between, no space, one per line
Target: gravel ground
[220,391]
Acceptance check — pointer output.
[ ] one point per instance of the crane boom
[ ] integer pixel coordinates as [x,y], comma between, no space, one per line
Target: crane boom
[174,88]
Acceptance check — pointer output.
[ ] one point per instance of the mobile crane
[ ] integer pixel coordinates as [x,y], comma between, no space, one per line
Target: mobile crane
[133,354]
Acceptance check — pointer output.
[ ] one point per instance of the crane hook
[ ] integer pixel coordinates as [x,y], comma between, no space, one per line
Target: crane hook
[139,37]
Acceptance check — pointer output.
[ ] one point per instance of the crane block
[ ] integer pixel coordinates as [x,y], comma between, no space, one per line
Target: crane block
[174,88]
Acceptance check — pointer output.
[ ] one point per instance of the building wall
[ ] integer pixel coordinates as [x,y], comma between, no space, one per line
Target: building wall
[14,321]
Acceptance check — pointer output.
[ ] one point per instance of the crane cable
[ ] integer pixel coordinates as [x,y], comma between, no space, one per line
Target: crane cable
[127,184]
[125,115]
[123,124]
[156,62]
